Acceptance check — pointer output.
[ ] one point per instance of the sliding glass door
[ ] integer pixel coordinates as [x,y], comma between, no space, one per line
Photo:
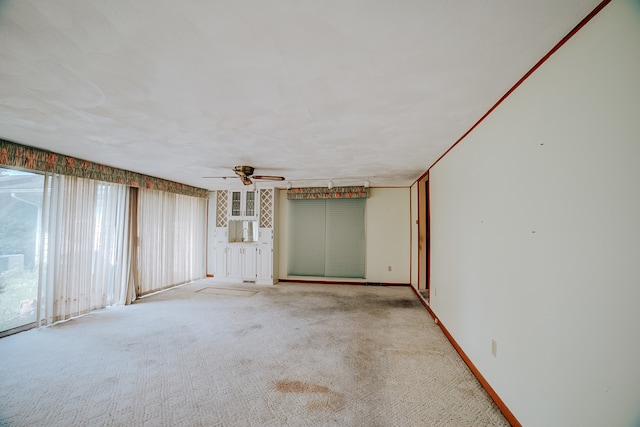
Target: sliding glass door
[69,245]
[20,215]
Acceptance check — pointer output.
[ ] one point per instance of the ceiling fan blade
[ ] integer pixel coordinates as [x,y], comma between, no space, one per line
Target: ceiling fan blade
[269,177]
[218,177]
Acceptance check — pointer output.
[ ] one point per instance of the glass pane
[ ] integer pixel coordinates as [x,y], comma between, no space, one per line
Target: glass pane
[20,212]
[251,203]
[235,203]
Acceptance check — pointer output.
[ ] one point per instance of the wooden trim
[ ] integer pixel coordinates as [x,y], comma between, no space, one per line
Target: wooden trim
[341,282]
[428,236]
[414,220]
[483,382]
[566,38]
[422,222]
[419,229]
[322,282]
[209,275]
[423,176]
[424,303]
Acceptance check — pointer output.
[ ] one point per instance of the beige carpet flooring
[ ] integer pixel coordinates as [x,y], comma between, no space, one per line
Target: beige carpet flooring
[207,354]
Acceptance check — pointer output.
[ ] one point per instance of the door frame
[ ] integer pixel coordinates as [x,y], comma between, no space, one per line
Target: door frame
[423,234]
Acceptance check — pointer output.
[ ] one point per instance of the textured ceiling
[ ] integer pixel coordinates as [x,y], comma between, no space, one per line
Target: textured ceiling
[304,89]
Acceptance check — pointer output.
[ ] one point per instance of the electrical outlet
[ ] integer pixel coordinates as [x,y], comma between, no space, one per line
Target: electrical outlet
[389,268]
[494,348]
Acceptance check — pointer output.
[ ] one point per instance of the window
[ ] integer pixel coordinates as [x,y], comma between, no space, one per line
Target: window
[171,231]
[327,238]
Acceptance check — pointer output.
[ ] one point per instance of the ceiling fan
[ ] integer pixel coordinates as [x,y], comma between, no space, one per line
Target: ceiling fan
[245,173]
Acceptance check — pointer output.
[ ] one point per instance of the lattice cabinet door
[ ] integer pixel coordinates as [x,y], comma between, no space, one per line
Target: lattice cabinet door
[222,199]
[266,255]
[267,208]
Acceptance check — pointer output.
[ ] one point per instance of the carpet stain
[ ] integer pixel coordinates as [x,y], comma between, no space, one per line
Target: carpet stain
[287,386]
[326,399]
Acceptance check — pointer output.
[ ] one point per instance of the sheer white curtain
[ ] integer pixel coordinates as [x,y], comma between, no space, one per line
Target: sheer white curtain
[111,260]
[89,257]
[171,239]
[85,249]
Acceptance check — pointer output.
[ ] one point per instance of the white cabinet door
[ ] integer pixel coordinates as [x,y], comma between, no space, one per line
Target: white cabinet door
[235,204]
[243,204]
[265,264]
[220,252]
[249,263]
[265,236]
[234,261]
[250,204]
[220,264]
[267,244]
[241,262]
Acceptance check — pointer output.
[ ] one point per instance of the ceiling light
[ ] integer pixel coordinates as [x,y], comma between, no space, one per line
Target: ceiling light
[289,185]
[367,183]
[330,185]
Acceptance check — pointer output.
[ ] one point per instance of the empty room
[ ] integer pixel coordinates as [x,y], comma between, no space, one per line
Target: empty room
[319,213]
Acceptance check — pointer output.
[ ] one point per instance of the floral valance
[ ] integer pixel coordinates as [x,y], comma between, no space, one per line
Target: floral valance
[21,156]
[327,193]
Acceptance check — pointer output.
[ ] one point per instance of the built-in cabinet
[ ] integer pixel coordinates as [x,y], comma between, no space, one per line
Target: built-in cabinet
[243,204]
[242,262]
[243,239]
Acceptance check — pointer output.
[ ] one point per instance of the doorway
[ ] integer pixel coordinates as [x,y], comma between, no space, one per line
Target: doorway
[423,237]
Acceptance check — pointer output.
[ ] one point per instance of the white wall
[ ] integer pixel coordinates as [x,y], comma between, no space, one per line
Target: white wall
[535,234]
[388,236]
